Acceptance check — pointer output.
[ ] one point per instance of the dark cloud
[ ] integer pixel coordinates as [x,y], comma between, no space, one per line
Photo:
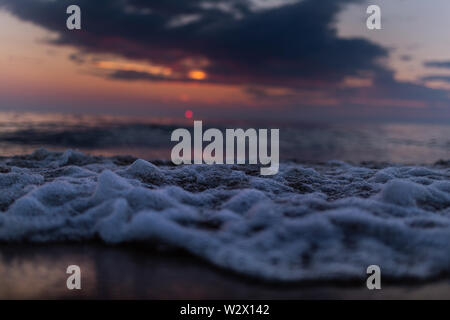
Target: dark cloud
[135,75]
[437,64]
[387,86]
[292,46]
[77,58]
[445,64]
[405,57]
[285,46]
[442,78]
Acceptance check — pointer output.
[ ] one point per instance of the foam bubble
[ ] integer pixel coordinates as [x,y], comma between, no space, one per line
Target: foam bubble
[313,222]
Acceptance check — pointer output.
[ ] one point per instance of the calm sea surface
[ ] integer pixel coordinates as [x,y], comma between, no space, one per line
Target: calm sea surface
[150,138]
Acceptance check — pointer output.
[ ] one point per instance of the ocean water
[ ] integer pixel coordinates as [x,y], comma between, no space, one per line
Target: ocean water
[149,138]
[309,222]
[346,196]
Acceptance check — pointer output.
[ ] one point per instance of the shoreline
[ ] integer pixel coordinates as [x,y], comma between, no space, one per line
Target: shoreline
[302,227]
[30,271]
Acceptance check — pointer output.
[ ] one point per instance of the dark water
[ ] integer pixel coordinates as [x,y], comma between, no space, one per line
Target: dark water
[39,272]
[150,138]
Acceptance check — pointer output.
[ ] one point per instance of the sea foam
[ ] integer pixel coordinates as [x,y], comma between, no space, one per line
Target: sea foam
[309,222]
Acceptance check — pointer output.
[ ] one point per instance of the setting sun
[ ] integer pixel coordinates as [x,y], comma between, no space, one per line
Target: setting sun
[197,75]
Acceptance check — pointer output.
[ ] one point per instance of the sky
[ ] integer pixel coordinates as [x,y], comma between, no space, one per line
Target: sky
[247,59]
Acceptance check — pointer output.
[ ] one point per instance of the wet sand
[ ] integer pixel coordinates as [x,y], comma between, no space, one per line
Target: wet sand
[127,272]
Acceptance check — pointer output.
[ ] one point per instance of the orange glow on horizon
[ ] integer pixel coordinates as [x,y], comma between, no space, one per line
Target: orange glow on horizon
[128,66]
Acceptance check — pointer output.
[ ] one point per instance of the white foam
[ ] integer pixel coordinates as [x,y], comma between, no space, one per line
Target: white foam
[307,223]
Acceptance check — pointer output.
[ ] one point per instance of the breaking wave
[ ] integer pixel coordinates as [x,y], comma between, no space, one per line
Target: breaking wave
[315,222]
